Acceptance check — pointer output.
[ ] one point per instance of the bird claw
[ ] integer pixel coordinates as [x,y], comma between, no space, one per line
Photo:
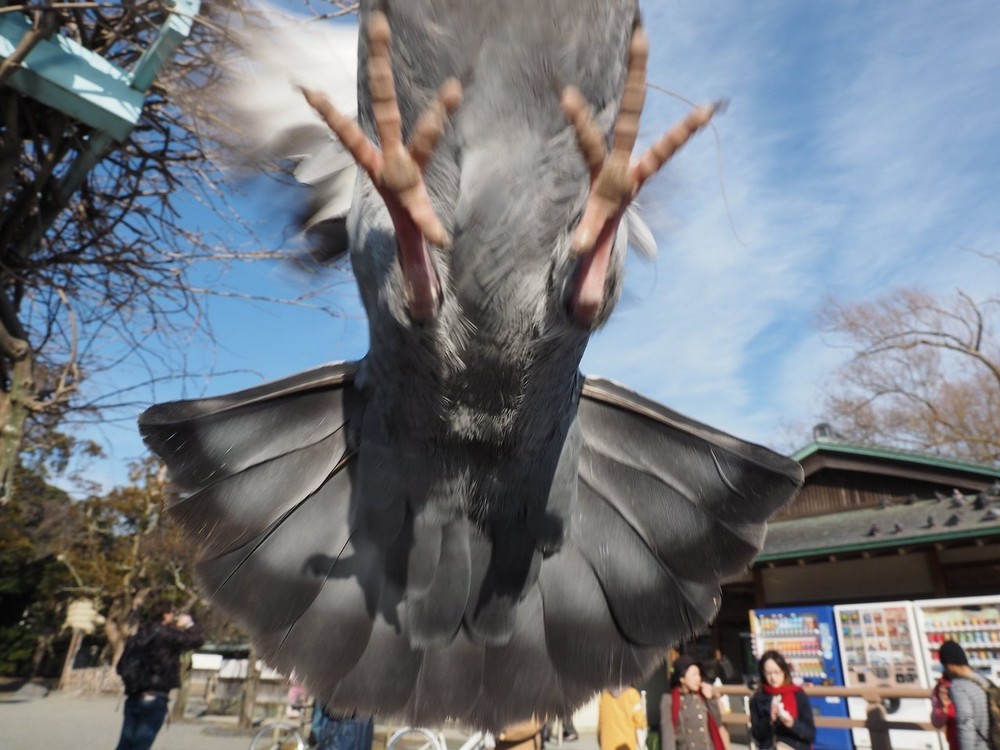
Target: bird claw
[614,183]
[397,169]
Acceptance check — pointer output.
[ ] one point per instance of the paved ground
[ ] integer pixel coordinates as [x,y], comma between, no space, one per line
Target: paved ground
[60,722]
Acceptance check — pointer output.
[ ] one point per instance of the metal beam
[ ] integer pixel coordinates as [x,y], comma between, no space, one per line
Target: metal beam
[70,78]
[175,30]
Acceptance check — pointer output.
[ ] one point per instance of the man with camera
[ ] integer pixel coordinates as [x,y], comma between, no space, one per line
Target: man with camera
[150,669]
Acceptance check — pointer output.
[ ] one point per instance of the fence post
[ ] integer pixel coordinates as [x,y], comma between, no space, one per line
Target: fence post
[878,726]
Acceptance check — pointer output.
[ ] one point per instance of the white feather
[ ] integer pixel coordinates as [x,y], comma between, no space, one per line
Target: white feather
[640,236]
[261,101]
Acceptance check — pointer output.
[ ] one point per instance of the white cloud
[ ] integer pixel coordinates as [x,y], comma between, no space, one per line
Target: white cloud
[861,154]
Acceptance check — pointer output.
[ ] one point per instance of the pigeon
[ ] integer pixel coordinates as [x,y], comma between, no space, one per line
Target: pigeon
[461,525]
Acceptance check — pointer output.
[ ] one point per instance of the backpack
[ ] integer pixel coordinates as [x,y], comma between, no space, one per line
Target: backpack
[993,705]
[130,666]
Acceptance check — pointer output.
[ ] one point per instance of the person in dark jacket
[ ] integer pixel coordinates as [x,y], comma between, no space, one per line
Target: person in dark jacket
[160,641]
[780,714]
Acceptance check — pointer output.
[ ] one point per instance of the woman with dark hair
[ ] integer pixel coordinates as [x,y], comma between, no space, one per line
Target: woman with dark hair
[690,718]
[780,714]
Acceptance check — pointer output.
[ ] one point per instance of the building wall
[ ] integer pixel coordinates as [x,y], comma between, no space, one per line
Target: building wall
[877,578]
[837,490]
[969,570]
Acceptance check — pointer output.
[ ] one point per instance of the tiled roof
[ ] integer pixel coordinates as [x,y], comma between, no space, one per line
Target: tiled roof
[911,522]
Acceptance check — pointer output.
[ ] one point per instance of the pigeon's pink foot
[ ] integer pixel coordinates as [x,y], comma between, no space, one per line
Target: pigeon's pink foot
[397,169]
[614,182]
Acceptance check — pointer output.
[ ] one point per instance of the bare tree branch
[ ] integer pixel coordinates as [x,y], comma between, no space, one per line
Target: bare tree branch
[925,373]
[110,280]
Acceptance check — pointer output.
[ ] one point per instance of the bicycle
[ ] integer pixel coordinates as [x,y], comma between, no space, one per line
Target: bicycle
[281,734]
[421,738]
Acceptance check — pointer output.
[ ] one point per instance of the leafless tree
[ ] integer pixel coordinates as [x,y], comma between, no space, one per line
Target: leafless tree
[925,373]
[102,274]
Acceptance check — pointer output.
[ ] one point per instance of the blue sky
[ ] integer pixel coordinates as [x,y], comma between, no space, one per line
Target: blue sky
[860,153]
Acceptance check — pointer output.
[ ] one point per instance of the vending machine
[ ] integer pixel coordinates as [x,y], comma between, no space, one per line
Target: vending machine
[973,622]
[806,637]
[880,645]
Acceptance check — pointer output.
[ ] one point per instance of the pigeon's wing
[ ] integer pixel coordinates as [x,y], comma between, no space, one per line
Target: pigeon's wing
[667,507]
[269,485]
[264,486]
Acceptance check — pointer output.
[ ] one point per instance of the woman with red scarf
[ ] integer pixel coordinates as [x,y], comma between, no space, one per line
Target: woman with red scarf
[780,714]
[689,714]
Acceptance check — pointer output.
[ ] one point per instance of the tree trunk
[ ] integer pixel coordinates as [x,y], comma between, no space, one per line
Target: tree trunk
[13,414]
[184,691]
[74,647]
[248,702]
[116,636]
[42,647]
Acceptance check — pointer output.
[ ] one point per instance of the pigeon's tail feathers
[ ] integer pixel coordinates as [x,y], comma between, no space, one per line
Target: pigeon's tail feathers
[505,568]
[583,642]
[435,610]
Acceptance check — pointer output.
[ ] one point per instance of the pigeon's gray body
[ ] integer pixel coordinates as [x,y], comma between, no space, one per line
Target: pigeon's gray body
[459,525]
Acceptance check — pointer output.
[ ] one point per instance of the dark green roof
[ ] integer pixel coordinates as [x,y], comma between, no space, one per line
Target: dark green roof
[895,454]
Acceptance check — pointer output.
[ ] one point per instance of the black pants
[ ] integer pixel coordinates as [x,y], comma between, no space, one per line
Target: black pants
[144,715]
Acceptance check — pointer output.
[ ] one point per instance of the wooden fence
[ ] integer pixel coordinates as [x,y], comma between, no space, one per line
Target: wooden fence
[876,723]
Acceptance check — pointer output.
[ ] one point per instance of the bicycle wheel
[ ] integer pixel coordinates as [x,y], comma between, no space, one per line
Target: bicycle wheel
[278,736]
[414,738]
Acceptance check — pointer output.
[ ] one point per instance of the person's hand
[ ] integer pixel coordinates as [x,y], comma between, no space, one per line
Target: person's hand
[184,621]
[776,708]
[706,690]
[786,718]
[942,692]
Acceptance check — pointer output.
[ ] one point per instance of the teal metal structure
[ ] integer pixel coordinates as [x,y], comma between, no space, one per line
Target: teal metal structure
[68,77]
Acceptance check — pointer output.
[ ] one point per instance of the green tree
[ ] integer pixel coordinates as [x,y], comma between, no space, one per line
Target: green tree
[32,580]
